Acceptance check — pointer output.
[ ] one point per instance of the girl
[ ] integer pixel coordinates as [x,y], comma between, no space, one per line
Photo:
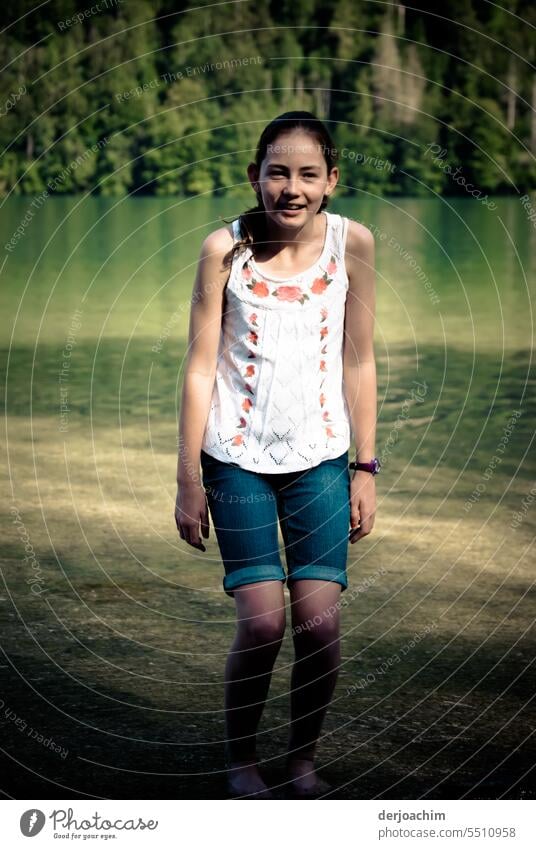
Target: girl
[280,375]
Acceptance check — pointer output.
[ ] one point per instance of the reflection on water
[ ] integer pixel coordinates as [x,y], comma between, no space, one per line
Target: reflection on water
[451,272]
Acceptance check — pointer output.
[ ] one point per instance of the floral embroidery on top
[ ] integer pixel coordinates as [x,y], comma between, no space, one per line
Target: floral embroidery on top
[290,293]
[247,404]
[323,333]
[259,288]
[320,284]
[332,266]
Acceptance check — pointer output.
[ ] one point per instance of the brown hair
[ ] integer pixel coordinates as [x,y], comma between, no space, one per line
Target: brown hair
[252,222]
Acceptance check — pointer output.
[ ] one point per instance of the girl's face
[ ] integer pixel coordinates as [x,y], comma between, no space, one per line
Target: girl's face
[293,178]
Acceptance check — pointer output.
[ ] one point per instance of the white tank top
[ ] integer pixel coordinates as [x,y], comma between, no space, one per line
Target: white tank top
[278,403]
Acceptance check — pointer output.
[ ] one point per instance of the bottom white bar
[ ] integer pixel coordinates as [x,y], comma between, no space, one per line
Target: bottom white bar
[151,823]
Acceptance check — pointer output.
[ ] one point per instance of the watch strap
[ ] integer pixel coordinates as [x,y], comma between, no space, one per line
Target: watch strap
[373,467]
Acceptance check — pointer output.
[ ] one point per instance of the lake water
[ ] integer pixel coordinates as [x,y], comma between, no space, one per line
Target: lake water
[455,285]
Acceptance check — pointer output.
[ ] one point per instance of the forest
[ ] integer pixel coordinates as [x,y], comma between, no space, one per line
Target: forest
[169,98]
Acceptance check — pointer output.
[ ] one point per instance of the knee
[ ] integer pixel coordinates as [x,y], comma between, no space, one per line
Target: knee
[316,633]
[264,631]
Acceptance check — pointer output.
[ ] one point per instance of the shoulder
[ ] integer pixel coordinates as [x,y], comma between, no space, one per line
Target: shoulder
[218,242]
[214,266]
[215,259]
[359,238]
[359,251]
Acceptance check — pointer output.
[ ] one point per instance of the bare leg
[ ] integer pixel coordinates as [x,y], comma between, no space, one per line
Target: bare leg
[315,632]
[260,611]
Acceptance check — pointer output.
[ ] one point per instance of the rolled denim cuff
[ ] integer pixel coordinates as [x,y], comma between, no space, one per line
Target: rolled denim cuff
[252,574]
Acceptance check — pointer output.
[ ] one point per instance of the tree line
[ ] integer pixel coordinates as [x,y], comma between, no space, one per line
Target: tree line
[165,97]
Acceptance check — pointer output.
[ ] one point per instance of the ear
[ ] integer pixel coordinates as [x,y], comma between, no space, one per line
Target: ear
[253,177]
[333,179]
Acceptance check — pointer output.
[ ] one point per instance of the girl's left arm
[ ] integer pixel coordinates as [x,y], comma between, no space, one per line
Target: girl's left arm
[359,371]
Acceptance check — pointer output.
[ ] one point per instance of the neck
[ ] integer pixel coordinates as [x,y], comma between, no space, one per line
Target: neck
[294,238]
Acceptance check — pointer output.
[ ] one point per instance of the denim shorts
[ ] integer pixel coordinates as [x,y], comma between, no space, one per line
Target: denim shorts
[312,508]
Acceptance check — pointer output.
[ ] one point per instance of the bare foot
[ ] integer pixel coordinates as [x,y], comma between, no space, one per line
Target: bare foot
[305,783]
[244,781]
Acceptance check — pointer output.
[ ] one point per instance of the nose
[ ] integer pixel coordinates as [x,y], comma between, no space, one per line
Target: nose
[291,187]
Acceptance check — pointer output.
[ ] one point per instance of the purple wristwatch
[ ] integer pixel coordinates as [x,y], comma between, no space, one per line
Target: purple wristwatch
[373,467]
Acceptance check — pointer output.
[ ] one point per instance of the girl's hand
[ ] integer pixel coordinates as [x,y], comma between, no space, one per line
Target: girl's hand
[190,509]
[362,505]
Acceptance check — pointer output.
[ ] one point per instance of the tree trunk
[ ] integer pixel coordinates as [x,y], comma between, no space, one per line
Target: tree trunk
[327,102]
[322,102]
[401,24]
[511,82]
[299,90]
[533,118]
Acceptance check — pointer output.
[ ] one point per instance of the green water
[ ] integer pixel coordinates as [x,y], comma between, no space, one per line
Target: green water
[129,264]
[455,284]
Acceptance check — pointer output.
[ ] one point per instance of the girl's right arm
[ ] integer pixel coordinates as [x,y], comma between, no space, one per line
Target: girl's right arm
[199,375]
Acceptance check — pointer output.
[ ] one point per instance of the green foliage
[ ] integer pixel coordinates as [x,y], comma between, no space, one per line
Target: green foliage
[170,98]
[487,163]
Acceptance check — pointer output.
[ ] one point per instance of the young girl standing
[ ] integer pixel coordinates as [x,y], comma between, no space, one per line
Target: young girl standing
[280,375]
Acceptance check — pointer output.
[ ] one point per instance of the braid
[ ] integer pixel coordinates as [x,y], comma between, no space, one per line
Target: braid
[252,225]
